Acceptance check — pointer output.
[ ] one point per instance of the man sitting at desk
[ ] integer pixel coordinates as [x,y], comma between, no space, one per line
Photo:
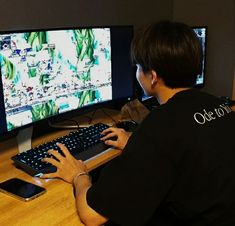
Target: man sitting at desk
[178,167]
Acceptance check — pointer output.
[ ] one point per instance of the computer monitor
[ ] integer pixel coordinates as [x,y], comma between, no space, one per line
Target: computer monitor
[49,73]
[201,32]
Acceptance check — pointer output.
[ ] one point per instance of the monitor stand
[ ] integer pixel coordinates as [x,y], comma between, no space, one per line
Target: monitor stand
[24,139]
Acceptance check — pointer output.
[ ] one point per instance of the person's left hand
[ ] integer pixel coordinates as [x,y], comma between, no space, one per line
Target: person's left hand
[121,137]
[67,166]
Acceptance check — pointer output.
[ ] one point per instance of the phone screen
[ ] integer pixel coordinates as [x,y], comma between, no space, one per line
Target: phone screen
[21,189]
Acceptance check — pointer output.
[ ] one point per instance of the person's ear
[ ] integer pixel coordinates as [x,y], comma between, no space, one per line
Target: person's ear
[154,78]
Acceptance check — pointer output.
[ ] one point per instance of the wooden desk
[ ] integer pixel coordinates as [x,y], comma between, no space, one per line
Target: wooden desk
[233,107]
[56,206]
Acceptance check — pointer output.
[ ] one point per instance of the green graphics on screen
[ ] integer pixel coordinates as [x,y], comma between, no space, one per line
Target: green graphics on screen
[45,73]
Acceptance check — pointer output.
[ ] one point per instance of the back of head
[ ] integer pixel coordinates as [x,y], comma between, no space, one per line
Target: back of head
[171,49]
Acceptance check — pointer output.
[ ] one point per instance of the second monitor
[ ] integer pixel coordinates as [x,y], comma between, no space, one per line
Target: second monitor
[201,32]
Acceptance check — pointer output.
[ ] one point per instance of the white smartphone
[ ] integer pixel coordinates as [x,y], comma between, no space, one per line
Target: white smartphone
[21,189]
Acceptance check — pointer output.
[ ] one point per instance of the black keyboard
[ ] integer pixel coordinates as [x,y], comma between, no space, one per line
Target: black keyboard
[83,144]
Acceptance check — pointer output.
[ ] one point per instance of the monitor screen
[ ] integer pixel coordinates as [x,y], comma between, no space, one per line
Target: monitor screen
[201,32]
[202,35]
[48,73]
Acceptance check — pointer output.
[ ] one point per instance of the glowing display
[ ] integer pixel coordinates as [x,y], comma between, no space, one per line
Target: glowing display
[45,73]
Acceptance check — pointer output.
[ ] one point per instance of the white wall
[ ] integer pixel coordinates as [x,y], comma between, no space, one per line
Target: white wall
[219,16]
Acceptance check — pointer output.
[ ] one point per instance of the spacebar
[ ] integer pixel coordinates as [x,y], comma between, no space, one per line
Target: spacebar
[91,151]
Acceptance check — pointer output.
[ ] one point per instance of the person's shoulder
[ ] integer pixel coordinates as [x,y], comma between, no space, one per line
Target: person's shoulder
[157,119]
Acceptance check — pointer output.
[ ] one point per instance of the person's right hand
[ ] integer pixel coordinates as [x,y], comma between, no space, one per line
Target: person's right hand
[115,137]
[67,166]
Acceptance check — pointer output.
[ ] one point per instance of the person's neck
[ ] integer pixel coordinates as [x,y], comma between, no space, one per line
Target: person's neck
[165,93]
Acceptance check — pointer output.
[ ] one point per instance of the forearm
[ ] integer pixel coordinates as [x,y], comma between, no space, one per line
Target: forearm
[85,212]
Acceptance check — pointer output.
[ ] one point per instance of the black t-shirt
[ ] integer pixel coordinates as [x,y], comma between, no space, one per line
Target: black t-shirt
[178,167]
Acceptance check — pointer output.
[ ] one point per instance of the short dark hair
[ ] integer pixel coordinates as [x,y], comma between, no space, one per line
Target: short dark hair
[172,49]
